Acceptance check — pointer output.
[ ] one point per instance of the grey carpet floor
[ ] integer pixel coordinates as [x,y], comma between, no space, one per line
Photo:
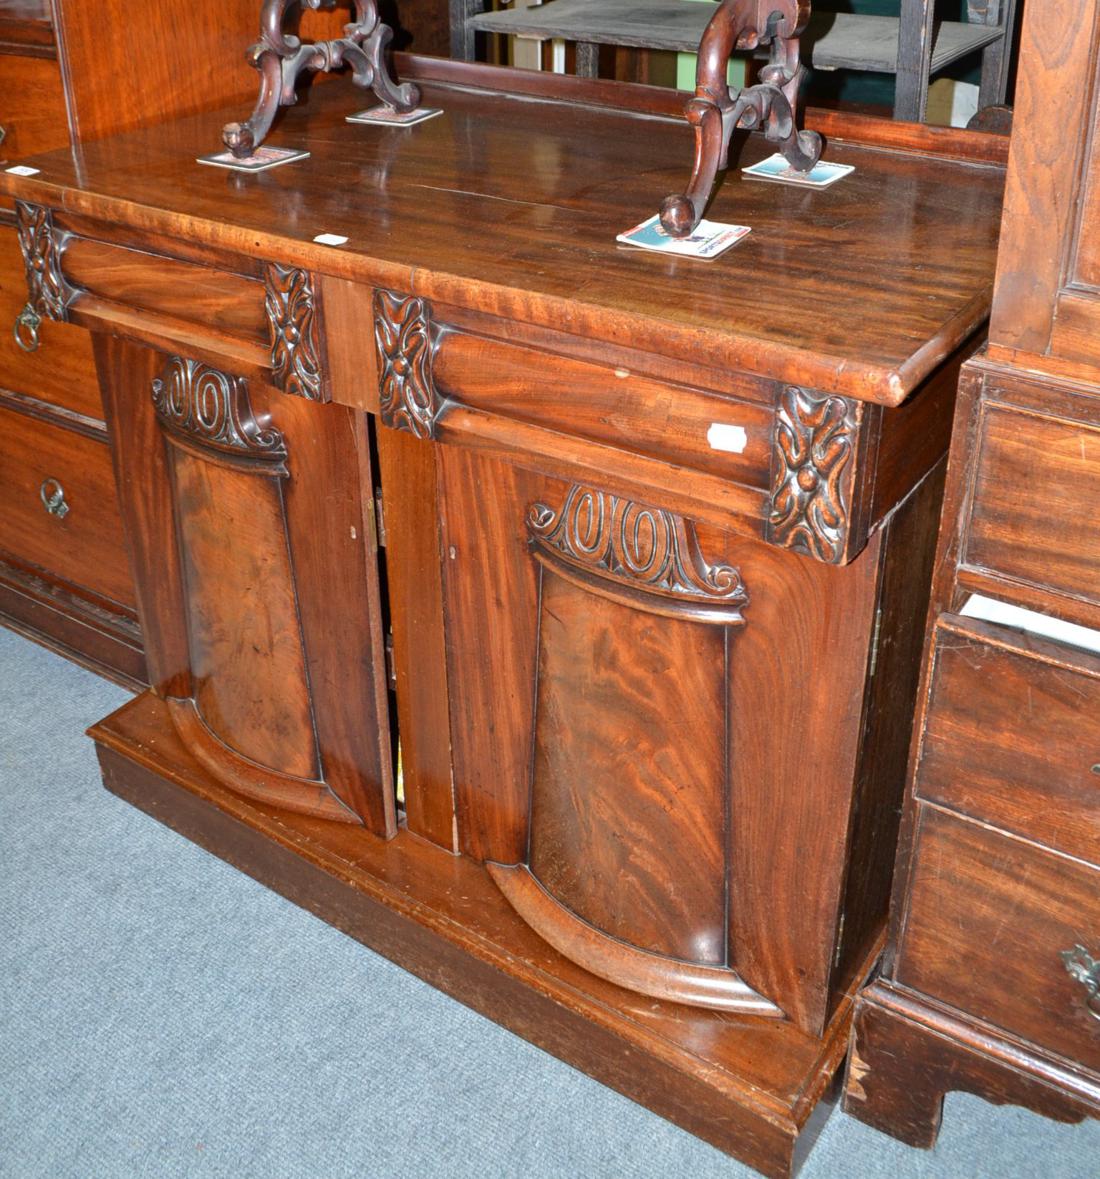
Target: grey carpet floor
[162,1015]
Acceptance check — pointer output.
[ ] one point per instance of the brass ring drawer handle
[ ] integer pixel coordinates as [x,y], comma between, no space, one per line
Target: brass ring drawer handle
[53,498]
[26,329]
[1083,968]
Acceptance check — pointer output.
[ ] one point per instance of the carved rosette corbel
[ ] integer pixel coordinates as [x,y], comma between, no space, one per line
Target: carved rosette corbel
[406,340]
[652,554]
[202,406]
[813,470]
[294,323]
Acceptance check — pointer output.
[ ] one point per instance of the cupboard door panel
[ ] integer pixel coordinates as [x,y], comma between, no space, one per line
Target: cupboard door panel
[252,543]
[628,789]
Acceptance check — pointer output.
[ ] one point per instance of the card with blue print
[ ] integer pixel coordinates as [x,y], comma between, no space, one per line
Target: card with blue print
[709,240]
[776,168]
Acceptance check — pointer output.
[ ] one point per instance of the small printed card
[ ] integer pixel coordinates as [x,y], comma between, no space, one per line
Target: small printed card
[386,116]
[260,160]
[819,176]
[22,170]
[708,241]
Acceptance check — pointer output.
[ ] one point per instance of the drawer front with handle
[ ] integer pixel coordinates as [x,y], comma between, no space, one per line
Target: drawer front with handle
[59,506]
[1006,931]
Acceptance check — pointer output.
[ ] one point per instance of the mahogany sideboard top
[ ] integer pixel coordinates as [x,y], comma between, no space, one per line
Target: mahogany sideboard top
[510,206]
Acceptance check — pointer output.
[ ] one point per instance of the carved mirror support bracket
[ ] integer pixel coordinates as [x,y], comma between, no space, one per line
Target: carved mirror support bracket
[295,324]
[716,111]
[49,293]
[281,58]
[204,408]
[813,474]
[406,340]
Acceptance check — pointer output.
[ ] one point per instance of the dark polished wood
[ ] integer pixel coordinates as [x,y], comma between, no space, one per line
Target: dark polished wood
[990,983]
[652,551]
[716,110]
[923,227]
[281,59]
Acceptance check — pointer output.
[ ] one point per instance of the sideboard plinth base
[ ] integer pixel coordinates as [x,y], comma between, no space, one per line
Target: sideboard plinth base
[758,1089]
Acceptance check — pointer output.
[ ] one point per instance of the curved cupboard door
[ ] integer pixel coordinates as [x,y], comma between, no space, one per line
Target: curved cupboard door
[253,544]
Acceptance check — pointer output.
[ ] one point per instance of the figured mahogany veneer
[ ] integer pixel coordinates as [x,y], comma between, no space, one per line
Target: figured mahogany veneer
[650,552]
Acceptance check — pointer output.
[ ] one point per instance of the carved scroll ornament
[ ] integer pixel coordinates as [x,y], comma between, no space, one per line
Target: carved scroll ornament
[405,340]
[638,547]
[203,405]
[815,440]
[293,318]
[281,58]
[716,111]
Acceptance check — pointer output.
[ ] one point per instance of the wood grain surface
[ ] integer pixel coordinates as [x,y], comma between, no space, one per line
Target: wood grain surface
[916,235]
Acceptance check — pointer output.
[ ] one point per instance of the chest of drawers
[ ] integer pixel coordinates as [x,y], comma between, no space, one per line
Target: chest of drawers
[650,541]
[991,981]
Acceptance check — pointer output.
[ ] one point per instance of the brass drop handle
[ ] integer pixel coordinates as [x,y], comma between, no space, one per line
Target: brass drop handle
[1083,968]
[53,498]
[26,329]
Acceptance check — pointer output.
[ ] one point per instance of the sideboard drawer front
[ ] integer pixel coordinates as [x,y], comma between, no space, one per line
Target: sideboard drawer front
[1033,514]
[183,291]
[81,539]
[32,107]
[62,370]
[719,435]
[1012,734]
[989,919]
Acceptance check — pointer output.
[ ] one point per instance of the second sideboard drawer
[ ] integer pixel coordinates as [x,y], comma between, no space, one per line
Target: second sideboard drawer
[59,506]
[1012,734]
[1032,470]
[988,923]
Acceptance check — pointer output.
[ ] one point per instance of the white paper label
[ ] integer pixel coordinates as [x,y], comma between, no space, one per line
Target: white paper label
[22,170]
[990,610]
[330,239]
[722,436]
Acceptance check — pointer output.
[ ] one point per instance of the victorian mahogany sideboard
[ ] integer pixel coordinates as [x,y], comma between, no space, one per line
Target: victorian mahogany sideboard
[992,979]
[651,538]
[68,75]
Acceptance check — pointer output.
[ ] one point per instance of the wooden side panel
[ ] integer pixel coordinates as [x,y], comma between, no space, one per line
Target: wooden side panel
[797,677]
[891,694]
[988,920]
[1043,188]
[247,660]
[628,808]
